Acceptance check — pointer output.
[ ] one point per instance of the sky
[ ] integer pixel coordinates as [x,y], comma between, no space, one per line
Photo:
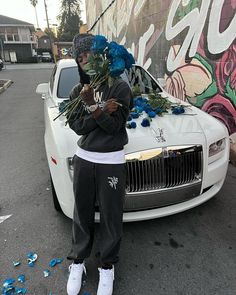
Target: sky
[23,10]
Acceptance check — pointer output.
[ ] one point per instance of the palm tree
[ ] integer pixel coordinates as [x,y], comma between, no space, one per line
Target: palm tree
[34,3]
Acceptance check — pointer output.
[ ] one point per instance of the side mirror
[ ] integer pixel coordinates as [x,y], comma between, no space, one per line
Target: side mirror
[162,82]
[42,88]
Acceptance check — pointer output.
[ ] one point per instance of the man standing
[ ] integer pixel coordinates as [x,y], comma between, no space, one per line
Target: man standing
[99,171]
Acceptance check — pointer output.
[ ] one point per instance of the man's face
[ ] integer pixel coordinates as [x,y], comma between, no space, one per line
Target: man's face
[83,59]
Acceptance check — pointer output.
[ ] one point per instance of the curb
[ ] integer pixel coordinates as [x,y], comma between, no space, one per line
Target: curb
[5,85]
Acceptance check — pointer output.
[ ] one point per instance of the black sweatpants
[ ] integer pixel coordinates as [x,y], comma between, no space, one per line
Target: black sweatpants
[106,184]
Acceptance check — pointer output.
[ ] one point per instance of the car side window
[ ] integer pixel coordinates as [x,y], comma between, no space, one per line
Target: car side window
[52,78]
[138,77]
[69,77]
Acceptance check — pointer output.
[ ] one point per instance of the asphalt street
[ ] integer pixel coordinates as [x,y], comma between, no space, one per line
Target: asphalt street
[192,253]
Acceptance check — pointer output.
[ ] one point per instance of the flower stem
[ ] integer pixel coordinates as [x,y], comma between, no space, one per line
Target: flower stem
[65,108]
[70,112]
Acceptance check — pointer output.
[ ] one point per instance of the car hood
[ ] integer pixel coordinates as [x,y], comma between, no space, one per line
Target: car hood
[190,128]
[169,130]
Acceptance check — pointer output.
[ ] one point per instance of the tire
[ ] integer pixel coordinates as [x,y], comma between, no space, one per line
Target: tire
[56,203]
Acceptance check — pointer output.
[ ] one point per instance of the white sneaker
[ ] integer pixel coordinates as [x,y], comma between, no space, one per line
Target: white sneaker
[75,278]
[106,278]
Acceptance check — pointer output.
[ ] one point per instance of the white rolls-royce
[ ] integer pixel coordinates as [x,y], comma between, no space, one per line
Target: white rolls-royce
[175,164]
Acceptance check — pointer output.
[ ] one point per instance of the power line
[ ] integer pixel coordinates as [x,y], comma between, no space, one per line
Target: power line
[99,17]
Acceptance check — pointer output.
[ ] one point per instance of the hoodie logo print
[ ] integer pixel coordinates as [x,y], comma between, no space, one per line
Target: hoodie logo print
[112,181]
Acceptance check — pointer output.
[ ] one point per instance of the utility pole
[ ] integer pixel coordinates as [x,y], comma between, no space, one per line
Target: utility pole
[36,17]
[49,30]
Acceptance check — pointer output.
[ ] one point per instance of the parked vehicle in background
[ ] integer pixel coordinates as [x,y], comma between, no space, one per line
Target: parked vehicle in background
[1,64]
[46,57]
[177,163]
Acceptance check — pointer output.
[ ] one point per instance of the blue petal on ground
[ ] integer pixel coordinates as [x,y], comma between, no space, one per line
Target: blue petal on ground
[21,278]
[8,282]
[55,261]
[16,263]
[46,273]
[20,291]
[10,290]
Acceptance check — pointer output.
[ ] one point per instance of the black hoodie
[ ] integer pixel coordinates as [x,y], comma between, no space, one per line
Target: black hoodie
[107,133]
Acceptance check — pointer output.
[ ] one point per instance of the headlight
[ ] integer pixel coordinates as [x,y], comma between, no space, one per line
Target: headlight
[216,147]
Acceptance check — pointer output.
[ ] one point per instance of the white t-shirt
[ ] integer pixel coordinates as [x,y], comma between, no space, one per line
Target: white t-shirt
[117,157]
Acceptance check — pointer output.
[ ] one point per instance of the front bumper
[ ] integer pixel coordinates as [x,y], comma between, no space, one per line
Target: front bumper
[172,209]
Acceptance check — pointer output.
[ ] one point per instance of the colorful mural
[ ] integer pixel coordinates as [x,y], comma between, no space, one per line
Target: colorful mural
[192,43]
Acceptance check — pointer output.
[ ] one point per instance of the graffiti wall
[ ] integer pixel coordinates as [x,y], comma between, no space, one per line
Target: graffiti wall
[191,43]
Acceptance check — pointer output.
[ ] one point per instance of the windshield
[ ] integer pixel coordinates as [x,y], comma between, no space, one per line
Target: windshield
[138,77]
[69,77]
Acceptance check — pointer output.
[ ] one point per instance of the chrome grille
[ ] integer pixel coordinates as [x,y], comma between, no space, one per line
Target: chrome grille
[173,166]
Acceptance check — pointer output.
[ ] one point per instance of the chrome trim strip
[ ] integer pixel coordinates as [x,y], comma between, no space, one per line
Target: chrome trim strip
[164,189]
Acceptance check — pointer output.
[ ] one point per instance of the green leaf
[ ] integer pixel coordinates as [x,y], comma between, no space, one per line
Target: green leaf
[204,62]
[136,90]
[87,67]
[91,72]
[157,101]
[208,93]
[230,92]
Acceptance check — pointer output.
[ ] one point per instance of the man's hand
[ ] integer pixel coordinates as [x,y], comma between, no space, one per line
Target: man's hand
[87,95]
[110,106]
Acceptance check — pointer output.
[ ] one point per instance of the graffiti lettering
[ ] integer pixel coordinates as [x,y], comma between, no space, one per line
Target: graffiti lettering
[138,7]
[143,40]
[195,20]
[219,42]
[123,15]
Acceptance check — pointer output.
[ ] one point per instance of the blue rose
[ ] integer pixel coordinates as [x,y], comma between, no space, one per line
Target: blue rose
[159,110]
[119,51]
[129,60]
[99,44]
[116,51]
[133,125]
[138,109]
[117,67]
[147,108]
[140,101]
[177,110]
[145,122]
[134,115]
[152,114]
[129,118]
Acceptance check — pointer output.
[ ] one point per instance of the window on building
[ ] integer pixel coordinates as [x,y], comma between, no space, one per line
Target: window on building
[12,34]
[16,37]
[10,37]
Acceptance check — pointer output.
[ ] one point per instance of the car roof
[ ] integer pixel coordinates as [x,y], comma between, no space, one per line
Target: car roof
[66,63]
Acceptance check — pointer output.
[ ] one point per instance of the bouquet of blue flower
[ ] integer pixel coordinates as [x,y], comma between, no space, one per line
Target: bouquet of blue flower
[106,63]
